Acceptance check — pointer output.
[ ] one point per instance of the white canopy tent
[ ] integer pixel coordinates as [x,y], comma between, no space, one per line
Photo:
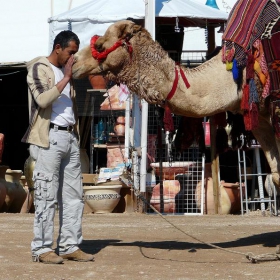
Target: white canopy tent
[95,17]
[24,28]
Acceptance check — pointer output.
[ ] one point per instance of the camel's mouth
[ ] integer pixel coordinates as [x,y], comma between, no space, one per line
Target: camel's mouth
[85,65]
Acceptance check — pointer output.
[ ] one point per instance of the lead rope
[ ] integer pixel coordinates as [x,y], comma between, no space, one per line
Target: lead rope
[126,178]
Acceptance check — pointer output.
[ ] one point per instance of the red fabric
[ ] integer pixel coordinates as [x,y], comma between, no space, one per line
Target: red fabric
[254,113]
[245,98]
[250,67]
[247,120]
[168,120]
[221,119]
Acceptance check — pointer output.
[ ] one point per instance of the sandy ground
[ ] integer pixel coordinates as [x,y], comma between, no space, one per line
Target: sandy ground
[140,246]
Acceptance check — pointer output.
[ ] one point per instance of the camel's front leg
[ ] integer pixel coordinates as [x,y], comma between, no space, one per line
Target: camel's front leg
[270,146]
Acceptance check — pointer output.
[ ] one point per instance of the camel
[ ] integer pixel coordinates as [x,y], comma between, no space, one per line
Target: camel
[127,54]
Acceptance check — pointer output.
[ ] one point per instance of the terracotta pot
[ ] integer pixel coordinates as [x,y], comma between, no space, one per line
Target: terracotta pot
[16,194]
[170,189]
[233,192]
[120,120]
[229,197]
[119,129]
[27,206]
[170,170]
[102,198]
[29,166]
[97,82]
[3,181]
[3,193]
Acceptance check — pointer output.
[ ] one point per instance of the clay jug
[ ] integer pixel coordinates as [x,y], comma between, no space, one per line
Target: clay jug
[3,181]
[3,194]
[16,194]
[97,82]
[120,120]
[119,129]
[29,166]
[28,203]
[233,192]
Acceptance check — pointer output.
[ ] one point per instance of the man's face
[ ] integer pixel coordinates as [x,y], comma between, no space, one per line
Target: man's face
[64,54]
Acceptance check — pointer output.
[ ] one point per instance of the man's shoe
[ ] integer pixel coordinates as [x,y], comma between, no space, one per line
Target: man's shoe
[78,256]
[49,257]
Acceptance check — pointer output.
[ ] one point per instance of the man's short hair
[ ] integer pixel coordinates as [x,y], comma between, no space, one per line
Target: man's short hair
[64,37]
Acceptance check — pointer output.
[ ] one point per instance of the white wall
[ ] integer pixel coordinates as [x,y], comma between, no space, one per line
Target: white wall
[24,27]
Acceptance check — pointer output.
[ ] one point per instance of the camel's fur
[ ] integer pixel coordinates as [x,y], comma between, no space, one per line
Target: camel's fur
[150,73]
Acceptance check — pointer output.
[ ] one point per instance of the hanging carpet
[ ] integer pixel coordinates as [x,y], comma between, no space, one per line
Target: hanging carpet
[253,31]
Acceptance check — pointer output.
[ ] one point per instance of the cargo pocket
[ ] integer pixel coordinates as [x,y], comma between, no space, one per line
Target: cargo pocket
[43,186]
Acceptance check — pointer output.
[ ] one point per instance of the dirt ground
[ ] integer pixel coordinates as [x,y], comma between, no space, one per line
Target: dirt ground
[141,246]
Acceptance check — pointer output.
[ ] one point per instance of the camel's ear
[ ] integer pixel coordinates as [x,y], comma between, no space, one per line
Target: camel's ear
[136,28]
[128,30]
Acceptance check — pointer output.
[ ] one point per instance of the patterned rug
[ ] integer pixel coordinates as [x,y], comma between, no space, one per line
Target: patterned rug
[242,21]
[251,23]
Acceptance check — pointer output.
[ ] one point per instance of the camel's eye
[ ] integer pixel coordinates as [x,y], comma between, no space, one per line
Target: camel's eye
[99,44]
[98,47]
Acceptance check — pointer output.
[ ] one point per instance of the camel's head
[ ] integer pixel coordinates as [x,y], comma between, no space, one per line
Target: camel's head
[107,53]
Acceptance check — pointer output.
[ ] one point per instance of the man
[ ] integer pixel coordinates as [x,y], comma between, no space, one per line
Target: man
[53,138]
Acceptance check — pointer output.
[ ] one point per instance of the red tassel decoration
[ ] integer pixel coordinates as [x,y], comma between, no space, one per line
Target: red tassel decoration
[254,114]
[168,120]
[250,67]
[245,98]
[247,120]
[221,119]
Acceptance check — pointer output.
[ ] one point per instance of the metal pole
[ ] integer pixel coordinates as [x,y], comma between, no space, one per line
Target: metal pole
[150,26]
[259,172]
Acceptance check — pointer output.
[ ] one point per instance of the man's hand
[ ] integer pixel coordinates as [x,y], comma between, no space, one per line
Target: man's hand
[68,67]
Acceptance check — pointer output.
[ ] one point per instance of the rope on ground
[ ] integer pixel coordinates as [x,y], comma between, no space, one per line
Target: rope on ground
[250,256]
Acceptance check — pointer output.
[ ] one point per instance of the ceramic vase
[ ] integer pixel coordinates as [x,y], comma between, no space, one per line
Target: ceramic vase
[170,189]
[3,181]
[16,194]
[3,194]
[27,206]
[119,129]
[229,195]
[29,166]
[102,198]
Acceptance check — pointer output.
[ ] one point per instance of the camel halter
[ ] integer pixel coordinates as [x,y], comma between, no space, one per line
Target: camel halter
[102,55]
[99,56]
[175,83]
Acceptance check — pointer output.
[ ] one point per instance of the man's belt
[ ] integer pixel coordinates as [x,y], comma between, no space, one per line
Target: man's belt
[68,128]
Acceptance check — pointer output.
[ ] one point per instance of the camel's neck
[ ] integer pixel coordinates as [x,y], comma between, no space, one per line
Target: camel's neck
[151,75]
[212,90]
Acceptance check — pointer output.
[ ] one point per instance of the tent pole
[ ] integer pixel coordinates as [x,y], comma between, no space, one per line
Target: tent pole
[150,26]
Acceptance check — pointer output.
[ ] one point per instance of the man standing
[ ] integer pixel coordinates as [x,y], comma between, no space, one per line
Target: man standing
[53,138]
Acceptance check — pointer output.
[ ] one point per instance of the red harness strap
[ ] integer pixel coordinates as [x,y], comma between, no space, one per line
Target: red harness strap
[101,56]
[175,83]
[174,87]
